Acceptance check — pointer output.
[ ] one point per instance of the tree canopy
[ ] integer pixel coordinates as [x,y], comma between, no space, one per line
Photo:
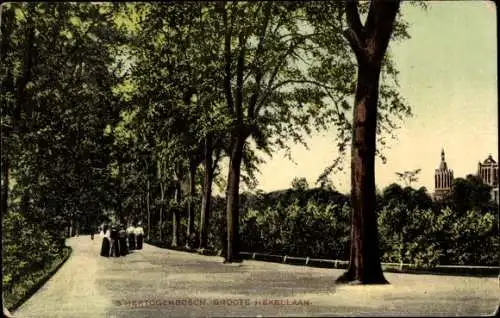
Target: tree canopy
[124,112]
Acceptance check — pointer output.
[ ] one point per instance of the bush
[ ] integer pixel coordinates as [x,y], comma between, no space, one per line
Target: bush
[427,238]
[316,223]
[297,230]
[26,248]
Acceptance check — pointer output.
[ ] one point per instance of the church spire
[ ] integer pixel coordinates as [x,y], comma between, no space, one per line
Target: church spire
[443,165]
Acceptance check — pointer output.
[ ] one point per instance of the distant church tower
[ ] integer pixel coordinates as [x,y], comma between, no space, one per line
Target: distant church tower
[488,171]
[443,179]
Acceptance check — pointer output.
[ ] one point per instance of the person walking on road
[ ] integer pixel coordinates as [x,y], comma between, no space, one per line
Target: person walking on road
[122,241]
[114,249]
[131,237]
[106,244]
[139,236]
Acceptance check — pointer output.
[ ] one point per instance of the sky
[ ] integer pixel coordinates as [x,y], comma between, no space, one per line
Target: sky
[448,74]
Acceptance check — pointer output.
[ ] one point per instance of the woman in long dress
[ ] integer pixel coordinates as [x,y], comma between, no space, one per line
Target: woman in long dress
[115,247]
[105,242]
[139,235]
[131,237]
[123,241]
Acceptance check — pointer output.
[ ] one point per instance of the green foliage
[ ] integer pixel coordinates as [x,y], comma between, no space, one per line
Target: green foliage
[469,193]
[26,248]
[408,176]
[299,184]
[316,223]
[427,238]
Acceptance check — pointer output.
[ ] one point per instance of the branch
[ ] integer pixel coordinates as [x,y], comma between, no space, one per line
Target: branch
[240,66]
[355,33]
[216,160]
[356,44]
[384,16]
[258,76]
[263,99]
[352,16]
[227,60]
[282,61]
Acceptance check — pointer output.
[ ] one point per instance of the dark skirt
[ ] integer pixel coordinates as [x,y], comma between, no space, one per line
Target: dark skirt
[105,247]
[123,246]
[139,239]
[115,249]
[131,241]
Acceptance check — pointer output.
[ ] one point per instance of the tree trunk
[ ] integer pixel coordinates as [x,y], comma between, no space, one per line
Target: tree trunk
[162,203]
[207,193]
[232,253]
[364,267]
[369,43]
[5,184]
[175,214]
[190,225]
[147,209]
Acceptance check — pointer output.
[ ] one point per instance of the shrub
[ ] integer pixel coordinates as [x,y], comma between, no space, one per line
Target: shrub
[27,248]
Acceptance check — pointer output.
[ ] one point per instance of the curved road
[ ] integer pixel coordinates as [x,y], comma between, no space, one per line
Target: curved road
[156,282]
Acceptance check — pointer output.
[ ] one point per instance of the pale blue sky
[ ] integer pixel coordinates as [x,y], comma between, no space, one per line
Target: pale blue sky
[448,74]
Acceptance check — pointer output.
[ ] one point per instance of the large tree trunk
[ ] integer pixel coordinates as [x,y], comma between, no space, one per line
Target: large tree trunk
[369,43]
[207,193]
[232,253]
[365,264]
[192,189]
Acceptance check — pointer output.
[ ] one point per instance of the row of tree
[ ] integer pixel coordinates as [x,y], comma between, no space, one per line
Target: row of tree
[130,108]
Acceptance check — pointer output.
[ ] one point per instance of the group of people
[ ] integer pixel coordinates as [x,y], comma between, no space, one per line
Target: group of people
[118,241]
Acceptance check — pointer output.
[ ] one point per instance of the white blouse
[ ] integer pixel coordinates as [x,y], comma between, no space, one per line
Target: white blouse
[139,230]
[130,230]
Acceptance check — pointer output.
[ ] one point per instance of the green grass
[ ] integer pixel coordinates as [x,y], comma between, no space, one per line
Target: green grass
[33,281]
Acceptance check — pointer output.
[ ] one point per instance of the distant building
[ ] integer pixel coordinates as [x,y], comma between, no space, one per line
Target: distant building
[443,179]
[488,172]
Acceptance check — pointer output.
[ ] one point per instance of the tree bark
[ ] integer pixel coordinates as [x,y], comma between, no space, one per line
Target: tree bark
[369,43]
[5,184]
[192,189]
[175,214]
[147,208]
[206,201]
[232,253]
[364,264]
[162,203]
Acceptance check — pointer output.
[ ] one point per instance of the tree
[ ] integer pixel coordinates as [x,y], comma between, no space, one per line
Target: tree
[270,97]
[469,193]
[369,43]
[46,113]
[58,94]
[300,184]
[408,177]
